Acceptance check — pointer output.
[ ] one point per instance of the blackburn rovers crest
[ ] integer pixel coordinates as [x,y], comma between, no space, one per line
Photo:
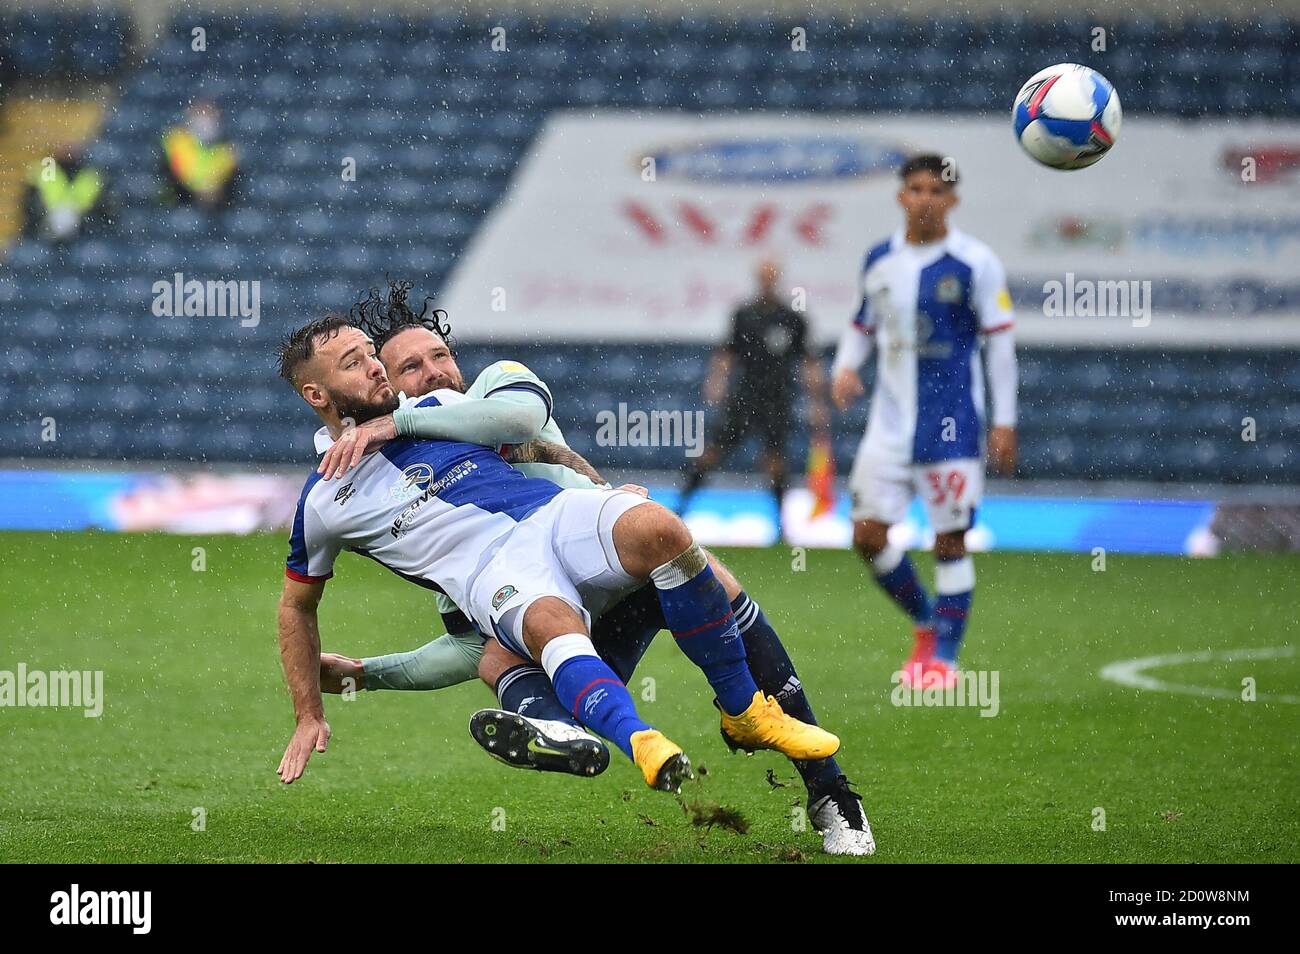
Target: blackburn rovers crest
[949,290]
[502,595]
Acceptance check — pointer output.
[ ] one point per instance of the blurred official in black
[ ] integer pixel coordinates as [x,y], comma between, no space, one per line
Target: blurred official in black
[767,350]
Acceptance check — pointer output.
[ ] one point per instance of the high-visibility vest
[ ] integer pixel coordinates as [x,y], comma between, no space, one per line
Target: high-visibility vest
[57,191]
[198,167]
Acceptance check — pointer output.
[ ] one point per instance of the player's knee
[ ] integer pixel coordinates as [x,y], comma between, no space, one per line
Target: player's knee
[547,618]
[664,535]
[950,546]
[870,537]
[649,536]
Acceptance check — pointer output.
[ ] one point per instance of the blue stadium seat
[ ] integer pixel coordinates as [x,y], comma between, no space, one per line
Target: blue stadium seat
[436,121]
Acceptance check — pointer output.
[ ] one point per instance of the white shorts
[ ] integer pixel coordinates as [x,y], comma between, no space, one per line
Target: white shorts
[564,549]
[883,489]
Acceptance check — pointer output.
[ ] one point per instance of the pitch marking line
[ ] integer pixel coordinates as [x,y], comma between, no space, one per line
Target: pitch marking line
[1132,672]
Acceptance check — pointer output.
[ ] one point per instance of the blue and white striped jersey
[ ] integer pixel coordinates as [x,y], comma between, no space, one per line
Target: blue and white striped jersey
[927,306]
[431,511]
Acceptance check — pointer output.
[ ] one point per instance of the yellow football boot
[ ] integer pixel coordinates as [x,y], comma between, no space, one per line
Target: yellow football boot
[660,760]
[764,726]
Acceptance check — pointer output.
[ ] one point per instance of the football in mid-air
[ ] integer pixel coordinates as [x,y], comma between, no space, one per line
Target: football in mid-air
[1067,116]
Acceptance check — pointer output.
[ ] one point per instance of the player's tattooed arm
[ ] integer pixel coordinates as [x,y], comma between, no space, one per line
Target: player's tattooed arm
[525,453]
[547,453]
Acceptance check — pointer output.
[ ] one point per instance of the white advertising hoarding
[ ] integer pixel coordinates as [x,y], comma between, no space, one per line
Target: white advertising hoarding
[649,225]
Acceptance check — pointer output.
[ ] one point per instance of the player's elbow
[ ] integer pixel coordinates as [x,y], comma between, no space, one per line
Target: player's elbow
[300,598]
[523,423]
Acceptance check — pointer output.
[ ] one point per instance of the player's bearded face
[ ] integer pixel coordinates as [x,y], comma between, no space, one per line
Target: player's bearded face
[418,361]
[368,403]
[354,379]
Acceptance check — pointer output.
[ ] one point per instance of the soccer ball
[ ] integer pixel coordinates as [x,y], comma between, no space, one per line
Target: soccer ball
[1067,116]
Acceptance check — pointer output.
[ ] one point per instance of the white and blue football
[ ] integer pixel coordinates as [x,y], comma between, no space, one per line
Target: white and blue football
[1067,116]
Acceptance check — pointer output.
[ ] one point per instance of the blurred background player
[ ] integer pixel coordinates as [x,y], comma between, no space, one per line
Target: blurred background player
[930,295]
[768,349]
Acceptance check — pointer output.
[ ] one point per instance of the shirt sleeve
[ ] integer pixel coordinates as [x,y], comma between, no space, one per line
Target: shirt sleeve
[853,348]
[312,548]
[862,319]
[992,298]
[450,659]
[1004,377]
[504,376]
[508,372]
[509,415]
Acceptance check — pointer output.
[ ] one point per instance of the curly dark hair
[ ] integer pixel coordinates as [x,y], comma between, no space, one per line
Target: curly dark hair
[384,317]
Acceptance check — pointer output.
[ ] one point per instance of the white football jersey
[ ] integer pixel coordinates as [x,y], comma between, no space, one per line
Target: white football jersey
[927,306]
[433,512]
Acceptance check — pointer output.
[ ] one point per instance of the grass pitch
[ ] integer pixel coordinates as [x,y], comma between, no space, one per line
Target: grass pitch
[196,717]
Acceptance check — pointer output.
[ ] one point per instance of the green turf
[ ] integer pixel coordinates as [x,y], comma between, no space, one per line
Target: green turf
[196,716]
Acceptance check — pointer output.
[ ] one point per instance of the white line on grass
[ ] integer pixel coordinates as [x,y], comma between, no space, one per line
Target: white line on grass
[1132,672]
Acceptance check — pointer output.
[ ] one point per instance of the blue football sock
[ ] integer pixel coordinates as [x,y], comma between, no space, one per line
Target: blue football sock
[896,575]
[775,675]
[591,691]
[527,690]
[699,615]
[954,580]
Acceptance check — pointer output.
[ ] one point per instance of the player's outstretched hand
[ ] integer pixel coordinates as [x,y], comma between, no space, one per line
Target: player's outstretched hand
[355,443]
[846,388]
[310,734]
[1002,450]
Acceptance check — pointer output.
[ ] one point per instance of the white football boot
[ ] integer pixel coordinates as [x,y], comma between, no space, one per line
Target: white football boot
[843,824]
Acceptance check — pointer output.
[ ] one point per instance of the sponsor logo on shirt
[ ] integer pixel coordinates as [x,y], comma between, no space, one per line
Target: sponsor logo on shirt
[414,479]
[432,488]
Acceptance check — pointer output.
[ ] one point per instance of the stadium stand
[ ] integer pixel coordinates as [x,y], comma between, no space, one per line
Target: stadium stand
[454,121]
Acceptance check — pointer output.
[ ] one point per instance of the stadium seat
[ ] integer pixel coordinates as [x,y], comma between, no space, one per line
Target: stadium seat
[437,125]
